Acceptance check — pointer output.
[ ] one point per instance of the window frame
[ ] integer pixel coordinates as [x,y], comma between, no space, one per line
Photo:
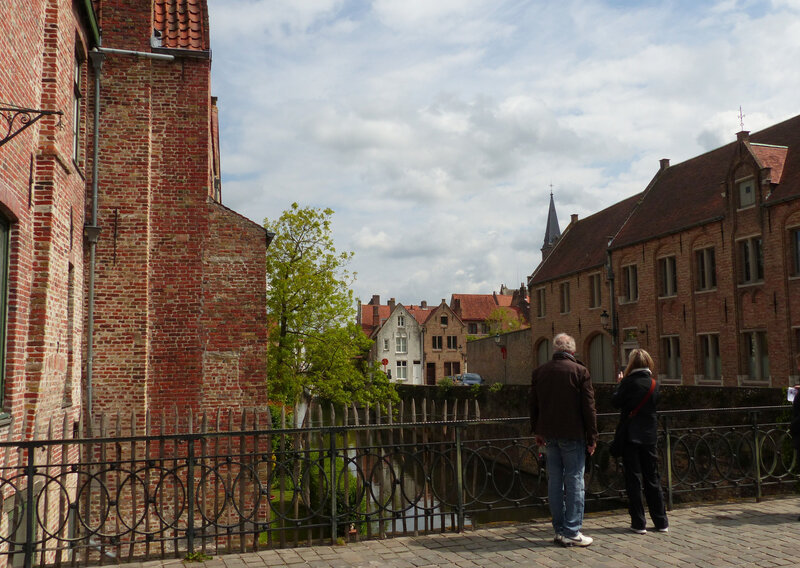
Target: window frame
[595,290]
[667,276]
[401,344]
[740,185]
[706,267]
[794,251]
[401,321]
[671,364]
[443,321]
[751,258]
[630,283]
[5,272]
[77,103]
[452,342]
[709,357]
[436,342]
[755,354]
[541,302]
[564,297]
[401,370]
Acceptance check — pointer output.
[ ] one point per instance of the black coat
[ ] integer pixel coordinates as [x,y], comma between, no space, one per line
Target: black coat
[643,428]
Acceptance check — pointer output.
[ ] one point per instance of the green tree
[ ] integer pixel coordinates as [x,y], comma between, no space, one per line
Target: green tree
[501,320]
[315,348]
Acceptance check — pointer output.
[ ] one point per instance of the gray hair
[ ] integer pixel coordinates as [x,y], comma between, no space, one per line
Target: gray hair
[564,342]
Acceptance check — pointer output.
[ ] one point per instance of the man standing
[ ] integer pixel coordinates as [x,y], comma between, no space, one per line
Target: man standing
[563,419]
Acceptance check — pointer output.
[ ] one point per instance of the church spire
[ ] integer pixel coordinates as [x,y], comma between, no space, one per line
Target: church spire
[552,232]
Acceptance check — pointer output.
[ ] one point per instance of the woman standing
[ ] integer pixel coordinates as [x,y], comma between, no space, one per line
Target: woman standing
[637,391]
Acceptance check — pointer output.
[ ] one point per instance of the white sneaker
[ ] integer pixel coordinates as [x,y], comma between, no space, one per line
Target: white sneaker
[638,531]
[577,540]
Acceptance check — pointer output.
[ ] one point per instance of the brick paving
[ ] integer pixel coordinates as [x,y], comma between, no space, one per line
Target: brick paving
[762,535]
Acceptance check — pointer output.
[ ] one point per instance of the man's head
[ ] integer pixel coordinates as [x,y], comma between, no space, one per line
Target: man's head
[564,342]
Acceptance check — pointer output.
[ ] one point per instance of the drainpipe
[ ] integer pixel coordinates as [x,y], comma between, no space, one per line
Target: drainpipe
[92,231]
[611,308]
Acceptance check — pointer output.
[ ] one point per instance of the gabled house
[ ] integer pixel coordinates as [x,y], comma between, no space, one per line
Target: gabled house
[397,338]
[444,341]
[703,269]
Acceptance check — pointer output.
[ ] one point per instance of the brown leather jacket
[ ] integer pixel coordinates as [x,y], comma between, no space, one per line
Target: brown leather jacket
[562,400]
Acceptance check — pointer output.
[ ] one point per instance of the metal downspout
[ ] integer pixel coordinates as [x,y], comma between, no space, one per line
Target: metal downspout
[92,231]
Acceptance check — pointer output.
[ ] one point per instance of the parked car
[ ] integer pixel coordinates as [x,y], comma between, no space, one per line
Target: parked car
[470,379]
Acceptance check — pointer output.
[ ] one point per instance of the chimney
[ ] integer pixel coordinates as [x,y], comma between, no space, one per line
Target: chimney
[376,300]
[573,218]
[391,305]
[663,163]
[743,136]
[423,304]
[376,316]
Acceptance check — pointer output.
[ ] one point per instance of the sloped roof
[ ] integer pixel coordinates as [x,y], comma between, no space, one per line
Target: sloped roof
[476,306]
[773,157]
[583,243]
[690,193]
[183,23]
[420,314]
[367,315]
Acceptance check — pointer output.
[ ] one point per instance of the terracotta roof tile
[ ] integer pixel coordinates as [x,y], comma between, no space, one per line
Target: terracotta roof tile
[183,23]
[773,157]
[583,243]
[473,306]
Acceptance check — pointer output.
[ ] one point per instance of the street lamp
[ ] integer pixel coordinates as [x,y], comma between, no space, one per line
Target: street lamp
[608,324]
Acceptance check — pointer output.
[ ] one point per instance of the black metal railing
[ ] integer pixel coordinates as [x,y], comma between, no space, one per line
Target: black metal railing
[111,499]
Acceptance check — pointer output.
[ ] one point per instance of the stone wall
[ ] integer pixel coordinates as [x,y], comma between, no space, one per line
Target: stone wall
[507,358]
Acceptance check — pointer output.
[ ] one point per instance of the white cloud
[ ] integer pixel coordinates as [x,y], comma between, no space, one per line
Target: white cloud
[434,129]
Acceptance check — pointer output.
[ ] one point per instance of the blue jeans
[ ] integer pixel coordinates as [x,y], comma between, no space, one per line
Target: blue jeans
[566,460]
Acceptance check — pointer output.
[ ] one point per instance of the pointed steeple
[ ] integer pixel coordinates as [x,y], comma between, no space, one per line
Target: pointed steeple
[552,232]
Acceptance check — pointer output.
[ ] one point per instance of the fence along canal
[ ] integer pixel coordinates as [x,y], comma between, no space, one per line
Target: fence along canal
[235,484]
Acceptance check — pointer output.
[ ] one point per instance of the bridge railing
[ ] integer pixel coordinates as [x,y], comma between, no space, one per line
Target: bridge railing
[111,499]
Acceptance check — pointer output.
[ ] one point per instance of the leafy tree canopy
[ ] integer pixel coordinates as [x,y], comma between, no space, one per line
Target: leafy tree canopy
[502,320]
[316,349]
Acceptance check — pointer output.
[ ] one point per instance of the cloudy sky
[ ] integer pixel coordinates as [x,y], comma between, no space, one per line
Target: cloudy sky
[435,128]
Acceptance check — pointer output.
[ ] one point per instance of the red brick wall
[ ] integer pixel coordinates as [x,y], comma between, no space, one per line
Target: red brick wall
[180,289]
[41,193]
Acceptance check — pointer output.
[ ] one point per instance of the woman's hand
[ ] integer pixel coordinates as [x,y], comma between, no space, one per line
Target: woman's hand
[619,376]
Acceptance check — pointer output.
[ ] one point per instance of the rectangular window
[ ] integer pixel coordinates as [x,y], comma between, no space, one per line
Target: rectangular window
[751,257]
[667,276]
[710,357]
[756,354]
[402,370]
[794,248]
[541,306]
[452,368]
[671,357]
[436,341]
[472,329]
[386,344]
[452,342]
[5,242]
[706,269]
[484,327]
[443,320]
[747,193]
[77,97]
[595,297]
[401,321]
[630,283]
[402,344]
[565,298]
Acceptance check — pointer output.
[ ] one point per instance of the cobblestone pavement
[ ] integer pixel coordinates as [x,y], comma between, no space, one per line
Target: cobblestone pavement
[733,534]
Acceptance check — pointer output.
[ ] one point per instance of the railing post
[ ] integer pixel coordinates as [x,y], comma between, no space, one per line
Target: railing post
[668,442]
[30,508]
[459,481]
[190,495]
[332,453]
[756,454]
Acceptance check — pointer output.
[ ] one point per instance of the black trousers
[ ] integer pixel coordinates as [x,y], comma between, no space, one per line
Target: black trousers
[641,475]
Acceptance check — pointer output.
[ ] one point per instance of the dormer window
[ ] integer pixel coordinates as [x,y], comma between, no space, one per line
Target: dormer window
[746,193]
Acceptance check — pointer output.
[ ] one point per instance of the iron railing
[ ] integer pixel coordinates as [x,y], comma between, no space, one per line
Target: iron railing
[122,498]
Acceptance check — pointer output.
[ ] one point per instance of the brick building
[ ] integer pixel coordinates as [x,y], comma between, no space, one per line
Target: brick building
[128,285]
[702,269]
